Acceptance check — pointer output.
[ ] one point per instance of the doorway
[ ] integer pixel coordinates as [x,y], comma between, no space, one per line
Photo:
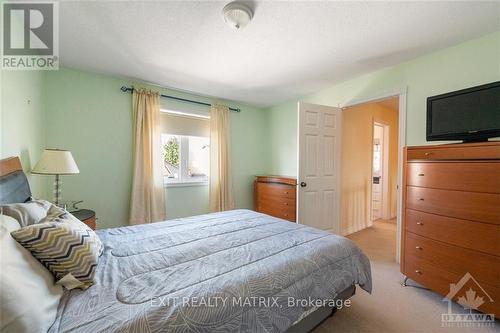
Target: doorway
[355,205]
[369,172]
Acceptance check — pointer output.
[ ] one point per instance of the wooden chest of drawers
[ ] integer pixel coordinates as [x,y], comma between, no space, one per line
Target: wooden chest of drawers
[451,219]
[276,196]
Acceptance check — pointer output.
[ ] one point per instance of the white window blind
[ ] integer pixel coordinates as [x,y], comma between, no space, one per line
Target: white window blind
[184,125]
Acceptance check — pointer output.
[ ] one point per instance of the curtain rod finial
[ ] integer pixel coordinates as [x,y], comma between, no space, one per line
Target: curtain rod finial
[124,89]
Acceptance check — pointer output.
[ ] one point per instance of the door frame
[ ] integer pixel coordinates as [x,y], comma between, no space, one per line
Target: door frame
[402,94]
[338,180]
[385,169]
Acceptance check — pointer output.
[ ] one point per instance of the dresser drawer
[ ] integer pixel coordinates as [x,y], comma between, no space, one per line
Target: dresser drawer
[439,280]
[275,190]
[474,206]
[484,267]
[477,236]
[286,213]
[276,200]
[456,152]
[471,177]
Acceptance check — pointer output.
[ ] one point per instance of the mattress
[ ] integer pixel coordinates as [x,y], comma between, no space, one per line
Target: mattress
[224,272]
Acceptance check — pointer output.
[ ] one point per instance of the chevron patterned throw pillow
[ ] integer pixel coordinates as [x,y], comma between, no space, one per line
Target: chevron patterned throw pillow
[67,247]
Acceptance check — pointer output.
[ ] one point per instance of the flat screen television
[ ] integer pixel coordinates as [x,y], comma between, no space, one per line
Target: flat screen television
[470,115]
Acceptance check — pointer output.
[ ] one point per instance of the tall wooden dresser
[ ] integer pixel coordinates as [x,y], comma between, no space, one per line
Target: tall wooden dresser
[451,220]
[276,196]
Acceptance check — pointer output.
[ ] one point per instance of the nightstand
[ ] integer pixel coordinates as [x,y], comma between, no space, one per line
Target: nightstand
[87,216]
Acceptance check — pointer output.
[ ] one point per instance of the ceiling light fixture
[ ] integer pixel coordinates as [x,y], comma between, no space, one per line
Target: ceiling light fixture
[237,15]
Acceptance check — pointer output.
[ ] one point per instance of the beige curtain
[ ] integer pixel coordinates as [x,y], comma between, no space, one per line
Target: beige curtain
[147,202]
[221,190]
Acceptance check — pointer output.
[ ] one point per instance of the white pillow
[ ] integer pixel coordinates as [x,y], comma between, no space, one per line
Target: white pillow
[28,295]
[27,213]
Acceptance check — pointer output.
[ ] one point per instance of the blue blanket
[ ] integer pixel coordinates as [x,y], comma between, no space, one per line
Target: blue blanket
[224,272]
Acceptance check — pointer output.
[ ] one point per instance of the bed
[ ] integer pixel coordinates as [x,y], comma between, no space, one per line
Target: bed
[231,271]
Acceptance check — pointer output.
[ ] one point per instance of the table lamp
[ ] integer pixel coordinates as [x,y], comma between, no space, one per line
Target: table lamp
[56,162]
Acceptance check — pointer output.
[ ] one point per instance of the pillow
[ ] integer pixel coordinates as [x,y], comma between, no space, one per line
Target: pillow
[28,295]
[58,214]
[66,246]
[27,213]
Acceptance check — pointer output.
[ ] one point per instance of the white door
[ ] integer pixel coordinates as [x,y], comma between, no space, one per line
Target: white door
[319,166]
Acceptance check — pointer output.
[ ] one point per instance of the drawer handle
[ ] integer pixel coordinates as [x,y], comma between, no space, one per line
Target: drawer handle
[418,247]
[420,223]
[421,199]
[418,272]
[286,203]
[286,192]
[427,154]
[286,214]
[421,175]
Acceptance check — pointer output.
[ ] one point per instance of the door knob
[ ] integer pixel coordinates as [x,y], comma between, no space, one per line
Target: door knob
[303,184]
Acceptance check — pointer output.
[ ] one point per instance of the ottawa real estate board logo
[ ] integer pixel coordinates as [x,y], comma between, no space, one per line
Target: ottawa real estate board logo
[30,37]
[471,296]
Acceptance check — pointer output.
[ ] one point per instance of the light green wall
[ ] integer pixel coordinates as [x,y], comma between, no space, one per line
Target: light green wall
[468,64]
[186,201]
[89,115]
[22,117]
[21,120]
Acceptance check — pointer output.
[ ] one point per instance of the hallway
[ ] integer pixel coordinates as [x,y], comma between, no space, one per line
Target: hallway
[379,241]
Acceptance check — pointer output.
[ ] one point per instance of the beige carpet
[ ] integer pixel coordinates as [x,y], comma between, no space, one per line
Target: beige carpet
[391,307]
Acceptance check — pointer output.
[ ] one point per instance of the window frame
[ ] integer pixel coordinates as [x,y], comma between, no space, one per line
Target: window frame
[184,179]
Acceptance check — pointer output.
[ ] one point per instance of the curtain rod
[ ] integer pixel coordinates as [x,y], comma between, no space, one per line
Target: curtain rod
[126,89]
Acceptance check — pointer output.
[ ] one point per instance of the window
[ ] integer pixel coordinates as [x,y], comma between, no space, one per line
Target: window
[186,159]
[185,147]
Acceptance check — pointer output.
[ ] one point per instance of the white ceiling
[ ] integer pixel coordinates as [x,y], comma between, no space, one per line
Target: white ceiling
[290,48]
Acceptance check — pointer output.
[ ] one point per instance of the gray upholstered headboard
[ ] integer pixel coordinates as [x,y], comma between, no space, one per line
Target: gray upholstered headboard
[14,186]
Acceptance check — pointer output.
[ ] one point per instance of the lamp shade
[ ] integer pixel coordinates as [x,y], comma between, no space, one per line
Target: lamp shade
[56,162]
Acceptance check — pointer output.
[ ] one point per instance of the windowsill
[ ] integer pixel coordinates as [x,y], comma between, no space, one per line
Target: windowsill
[184,184]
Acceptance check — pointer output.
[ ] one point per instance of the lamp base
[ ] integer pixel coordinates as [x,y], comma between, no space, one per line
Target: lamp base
[57,190]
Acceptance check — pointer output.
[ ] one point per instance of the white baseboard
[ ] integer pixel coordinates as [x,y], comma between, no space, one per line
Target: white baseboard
[354,229]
